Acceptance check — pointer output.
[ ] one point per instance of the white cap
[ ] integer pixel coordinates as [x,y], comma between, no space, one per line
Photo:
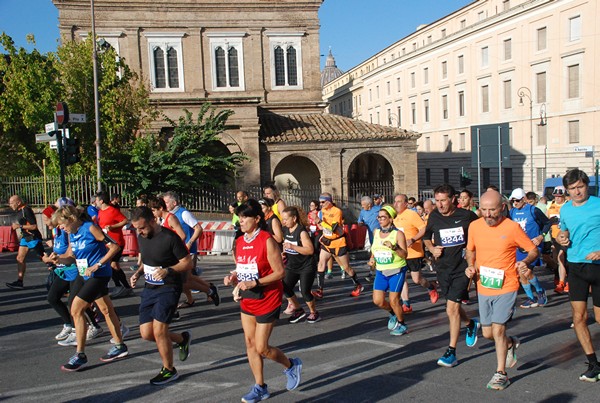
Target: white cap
[517,194]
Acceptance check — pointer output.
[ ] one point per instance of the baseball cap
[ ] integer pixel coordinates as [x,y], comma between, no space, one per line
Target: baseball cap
[267,201]
[376,196]
[517,194]
[559,191]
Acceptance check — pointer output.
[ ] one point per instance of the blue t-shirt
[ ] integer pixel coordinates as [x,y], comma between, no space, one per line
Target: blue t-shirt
[60,246]
[88,251]
[583,224]
[369,218]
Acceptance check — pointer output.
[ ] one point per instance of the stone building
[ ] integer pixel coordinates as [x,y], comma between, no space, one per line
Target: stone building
[259,58]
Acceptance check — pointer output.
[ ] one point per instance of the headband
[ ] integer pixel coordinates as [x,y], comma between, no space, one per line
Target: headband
[325,198]
[391,211]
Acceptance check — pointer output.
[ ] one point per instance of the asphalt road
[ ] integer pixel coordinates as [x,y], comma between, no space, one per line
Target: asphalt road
[348,357]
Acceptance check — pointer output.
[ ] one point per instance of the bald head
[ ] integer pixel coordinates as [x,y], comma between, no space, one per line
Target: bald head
[491,207]
[15,202]
[428,206]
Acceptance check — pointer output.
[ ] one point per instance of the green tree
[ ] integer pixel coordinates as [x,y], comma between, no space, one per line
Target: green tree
[191,157]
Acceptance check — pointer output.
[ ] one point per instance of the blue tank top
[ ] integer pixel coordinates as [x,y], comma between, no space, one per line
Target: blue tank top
[525,217]
[189,231]
[89,250]
[60,246]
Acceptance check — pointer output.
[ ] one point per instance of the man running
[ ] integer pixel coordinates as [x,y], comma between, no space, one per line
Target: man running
[492,253]
[165,259]
[536,225]
[449,227]
[31,238]
[368,218]
[558,251]
[580,234]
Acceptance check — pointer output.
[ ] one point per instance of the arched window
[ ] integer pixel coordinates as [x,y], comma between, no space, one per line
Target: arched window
[220,67]
[279,67]
[159,68]
[173,68]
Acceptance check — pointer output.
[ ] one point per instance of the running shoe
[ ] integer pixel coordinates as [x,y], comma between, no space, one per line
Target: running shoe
[592,374]
[128,292]
[184,347]
[448,360]
[542,298]
[465,301]
[164,376]
[560,288]
[64,333]
[511,354]
[318,294]
[117,292]
[93,332]
[214,297]
[329,275]
[314,317]
[69,341]
[15,285]
[498,382]
[294,373]
[124,333]
[358,289]
[344,275]
[370,278]
[392,321]
[176,316]
[290,309]
[529,303]
[256,394]
[297,316]
[399,330]
[75,363]
[471,336]
[433,295]
[407,309]
[116,352]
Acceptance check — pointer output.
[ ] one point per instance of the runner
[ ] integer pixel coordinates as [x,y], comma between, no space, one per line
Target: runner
[558,251]
[368,217]
[270,191]
[165,259]
[492,253]
[257,281]
[448,226]
[580,234]
[300,265]
[93,251]
[388,257]
[536,225]
[333,243]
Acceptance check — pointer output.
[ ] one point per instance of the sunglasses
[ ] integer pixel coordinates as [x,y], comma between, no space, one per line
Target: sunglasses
[381,217]
[515,200]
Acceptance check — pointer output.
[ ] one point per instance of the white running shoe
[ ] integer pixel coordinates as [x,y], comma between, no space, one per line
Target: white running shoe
[124,333]
[93,332]
[69,341]
[64,333]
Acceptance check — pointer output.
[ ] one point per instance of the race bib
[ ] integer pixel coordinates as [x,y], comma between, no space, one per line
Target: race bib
[313,228]
[291,251]
[149,272]
[82,265]
[246,271]
[383,257]
[452,236]
[491,278]
[327,232]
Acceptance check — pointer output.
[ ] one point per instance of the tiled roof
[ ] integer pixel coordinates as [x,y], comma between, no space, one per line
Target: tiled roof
[321,127]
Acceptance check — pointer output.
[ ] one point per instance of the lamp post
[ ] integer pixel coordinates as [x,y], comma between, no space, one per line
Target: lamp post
[526,92]
[96,101]
[544,122]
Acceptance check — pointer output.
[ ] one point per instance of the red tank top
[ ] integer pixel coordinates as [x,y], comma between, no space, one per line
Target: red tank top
[165,222]
[252,263]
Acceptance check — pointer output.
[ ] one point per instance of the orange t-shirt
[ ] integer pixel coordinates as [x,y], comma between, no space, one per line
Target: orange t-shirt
[410,222]
[331,216]
[554,211]
[496,249]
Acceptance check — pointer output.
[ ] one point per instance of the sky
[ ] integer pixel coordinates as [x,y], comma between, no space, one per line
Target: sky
[353,29]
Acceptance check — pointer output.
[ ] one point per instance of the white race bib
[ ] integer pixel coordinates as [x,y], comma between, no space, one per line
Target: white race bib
[246,271]
[327,232]
[82,266]
[491,278]
[383,256]
[149,272]
[452,236]
[291,251]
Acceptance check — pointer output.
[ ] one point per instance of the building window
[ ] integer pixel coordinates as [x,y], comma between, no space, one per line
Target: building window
[573,73]
[541,177]
[413,109]
[507,49]
[388,87]
[541,38]
[507,94]
[370,118]
[166,61]
[480,16]
[376,92]
[444,70]
[444,106]
[447,143]
[426,109]
[485,56]
[413,80]
[505,7]
[399,111]
[370,95]
[461,64]
[389,117]
[463,24]
[485,98]
[286,60]
[414,46]
[427,144]
[542,135]
[227,61]
[461,103]
[443,33]
[378,120]
[398,84]
[461,141]
[575,28]
[426,75]
[446,175]
[573,131]
[540,79]
[403,51]
[427,176]
[428,39]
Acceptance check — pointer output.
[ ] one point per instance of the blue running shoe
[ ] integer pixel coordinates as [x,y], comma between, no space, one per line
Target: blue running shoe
[529,303]
[256,394]
[392,321]
[294,374]
[75,363]
[448,360]
[116,352]
[471,337]
[399,330]
[542,298]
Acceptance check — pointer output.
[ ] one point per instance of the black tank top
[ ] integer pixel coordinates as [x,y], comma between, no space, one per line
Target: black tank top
[295,260]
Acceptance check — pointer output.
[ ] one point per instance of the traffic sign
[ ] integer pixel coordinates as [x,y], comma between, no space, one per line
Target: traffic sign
[62,113]
[583,149]
[77,118]
[48,127]
[43,138]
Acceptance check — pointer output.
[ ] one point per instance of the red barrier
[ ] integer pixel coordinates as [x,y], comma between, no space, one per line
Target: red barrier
[348,235]
[206,241]
[131,245]
[358,234]
[8,239]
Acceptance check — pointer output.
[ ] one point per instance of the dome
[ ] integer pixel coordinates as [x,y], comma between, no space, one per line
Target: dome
[330,72]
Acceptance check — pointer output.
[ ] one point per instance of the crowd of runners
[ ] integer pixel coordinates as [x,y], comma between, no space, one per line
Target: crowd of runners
[495,247]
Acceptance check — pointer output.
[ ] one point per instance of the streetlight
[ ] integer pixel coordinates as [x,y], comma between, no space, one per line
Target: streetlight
[96,101]
[544,122]
[526,92]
